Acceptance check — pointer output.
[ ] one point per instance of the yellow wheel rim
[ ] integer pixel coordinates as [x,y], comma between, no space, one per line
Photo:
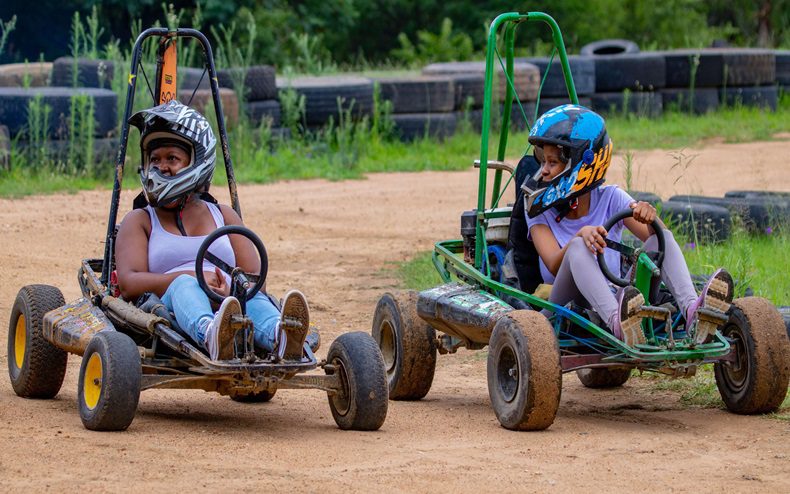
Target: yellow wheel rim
[20,342]
[91,384]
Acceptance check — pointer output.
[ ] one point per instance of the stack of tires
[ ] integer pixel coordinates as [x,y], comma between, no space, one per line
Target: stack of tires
[421,106]
[469,80]
[57,116]
[330,98]
[756,211]
[553,90]
[626,80]
[700,81]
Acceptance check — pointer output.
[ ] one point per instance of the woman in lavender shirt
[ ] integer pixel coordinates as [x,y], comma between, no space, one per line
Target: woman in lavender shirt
[566,208]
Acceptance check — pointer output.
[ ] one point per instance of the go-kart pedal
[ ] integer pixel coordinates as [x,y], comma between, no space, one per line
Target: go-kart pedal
[295,323]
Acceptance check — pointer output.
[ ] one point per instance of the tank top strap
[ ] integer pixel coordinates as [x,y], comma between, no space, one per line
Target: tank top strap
[216,213]
[154,219]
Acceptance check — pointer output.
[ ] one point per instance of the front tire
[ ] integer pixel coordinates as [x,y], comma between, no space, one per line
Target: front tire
[407,344]
[109,384]
[757,381]
[36,366]
[360,403]
[524,374]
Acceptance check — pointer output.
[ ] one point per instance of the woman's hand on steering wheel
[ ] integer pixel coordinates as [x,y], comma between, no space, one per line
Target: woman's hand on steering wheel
[594,238]
[218,283]
[644,212]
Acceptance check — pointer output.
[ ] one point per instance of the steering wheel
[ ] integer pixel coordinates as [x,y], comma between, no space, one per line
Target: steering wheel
[238,276]
[626,251]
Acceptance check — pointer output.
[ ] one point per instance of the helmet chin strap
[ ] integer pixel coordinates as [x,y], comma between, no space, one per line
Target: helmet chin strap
[178,212]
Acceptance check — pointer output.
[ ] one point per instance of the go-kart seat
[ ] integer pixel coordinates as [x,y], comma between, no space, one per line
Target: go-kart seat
[525,255]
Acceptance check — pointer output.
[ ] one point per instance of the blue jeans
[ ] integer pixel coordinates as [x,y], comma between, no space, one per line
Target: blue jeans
[189,303]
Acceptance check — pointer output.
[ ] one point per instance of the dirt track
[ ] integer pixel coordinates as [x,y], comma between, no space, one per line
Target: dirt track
[335,241]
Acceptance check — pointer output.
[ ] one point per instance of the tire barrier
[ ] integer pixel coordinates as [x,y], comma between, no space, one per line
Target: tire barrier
[469,90]
[582,71]
[228,98]
[699,100]
[421,94]
[546,104]
[326,96]
[640,104]
[703,222]
[90,73]
[719,67]
[14,103]
[105,149]
[270,109]
[188,79]
[5,148]
[526,77]
[609,47]
[783,69]
[757,193]
[14,74]
[757,96]
[635,71]
[785,311]
[259,81]
[648,197]
[412,126]
[758,214]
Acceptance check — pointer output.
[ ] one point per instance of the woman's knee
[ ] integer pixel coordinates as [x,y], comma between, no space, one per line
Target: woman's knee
[652,240]
[576,244]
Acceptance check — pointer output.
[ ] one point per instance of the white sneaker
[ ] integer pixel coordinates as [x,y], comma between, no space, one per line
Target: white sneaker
[220,334]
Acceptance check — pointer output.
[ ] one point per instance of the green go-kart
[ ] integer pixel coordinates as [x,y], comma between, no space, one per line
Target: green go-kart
[129,347]
[479,306]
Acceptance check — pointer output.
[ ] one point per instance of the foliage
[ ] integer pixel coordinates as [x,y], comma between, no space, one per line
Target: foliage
[444,46]
[6,27]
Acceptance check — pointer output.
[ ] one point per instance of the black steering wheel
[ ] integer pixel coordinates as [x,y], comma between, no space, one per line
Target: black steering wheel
[240,281]
[626,251]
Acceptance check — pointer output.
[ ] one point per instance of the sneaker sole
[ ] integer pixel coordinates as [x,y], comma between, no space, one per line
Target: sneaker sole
[717,297]
[632,325]
[295,307]
[226,332]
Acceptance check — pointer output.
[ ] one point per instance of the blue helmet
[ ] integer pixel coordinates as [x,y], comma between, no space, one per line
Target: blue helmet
[581,135]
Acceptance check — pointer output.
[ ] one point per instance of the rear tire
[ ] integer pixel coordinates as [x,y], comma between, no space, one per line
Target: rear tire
[36,366]
[109,384]
[600,378]
[407,344]
[524,374]
[361,402]
[757,382]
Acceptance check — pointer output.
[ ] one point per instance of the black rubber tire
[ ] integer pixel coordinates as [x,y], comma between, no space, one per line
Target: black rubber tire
[517,121]
[258,397]
[258,110]
[90,72]
[202,99]
[699,101]
[758,96]
[582,71]
[362,402]
[757,383]
[469,90]
[411,126]
[635,71]
[648,197]
[43,364]
[546,104]
[601,378]
[758,193]
[640,104]
[523,343]
[706,222]
[758,214]
[259,81]
[609,47]
[420,94]
[188,78]
[718,67]
[119,389]
[782,58]
[105,149]
[407,344]
[13,74]
[322,93]
[526,76]
[14,108]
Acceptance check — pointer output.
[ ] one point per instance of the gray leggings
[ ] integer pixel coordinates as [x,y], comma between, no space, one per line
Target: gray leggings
[580,278]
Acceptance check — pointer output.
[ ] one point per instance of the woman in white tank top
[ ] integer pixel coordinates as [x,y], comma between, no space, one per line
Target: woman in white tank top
[156,247]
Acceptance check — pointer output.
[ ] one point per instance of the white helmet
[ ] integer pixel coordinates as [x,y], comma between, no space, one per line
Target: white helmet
[175,124]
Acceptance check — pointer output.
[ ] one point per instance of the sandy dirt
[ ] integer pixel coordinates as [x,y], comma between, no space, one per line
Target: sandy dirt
[337,241]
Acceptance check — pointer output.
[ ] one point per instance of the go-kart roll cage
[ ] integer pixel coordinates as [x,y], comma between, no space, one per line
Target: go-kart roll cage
[165,35]
[448,255]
